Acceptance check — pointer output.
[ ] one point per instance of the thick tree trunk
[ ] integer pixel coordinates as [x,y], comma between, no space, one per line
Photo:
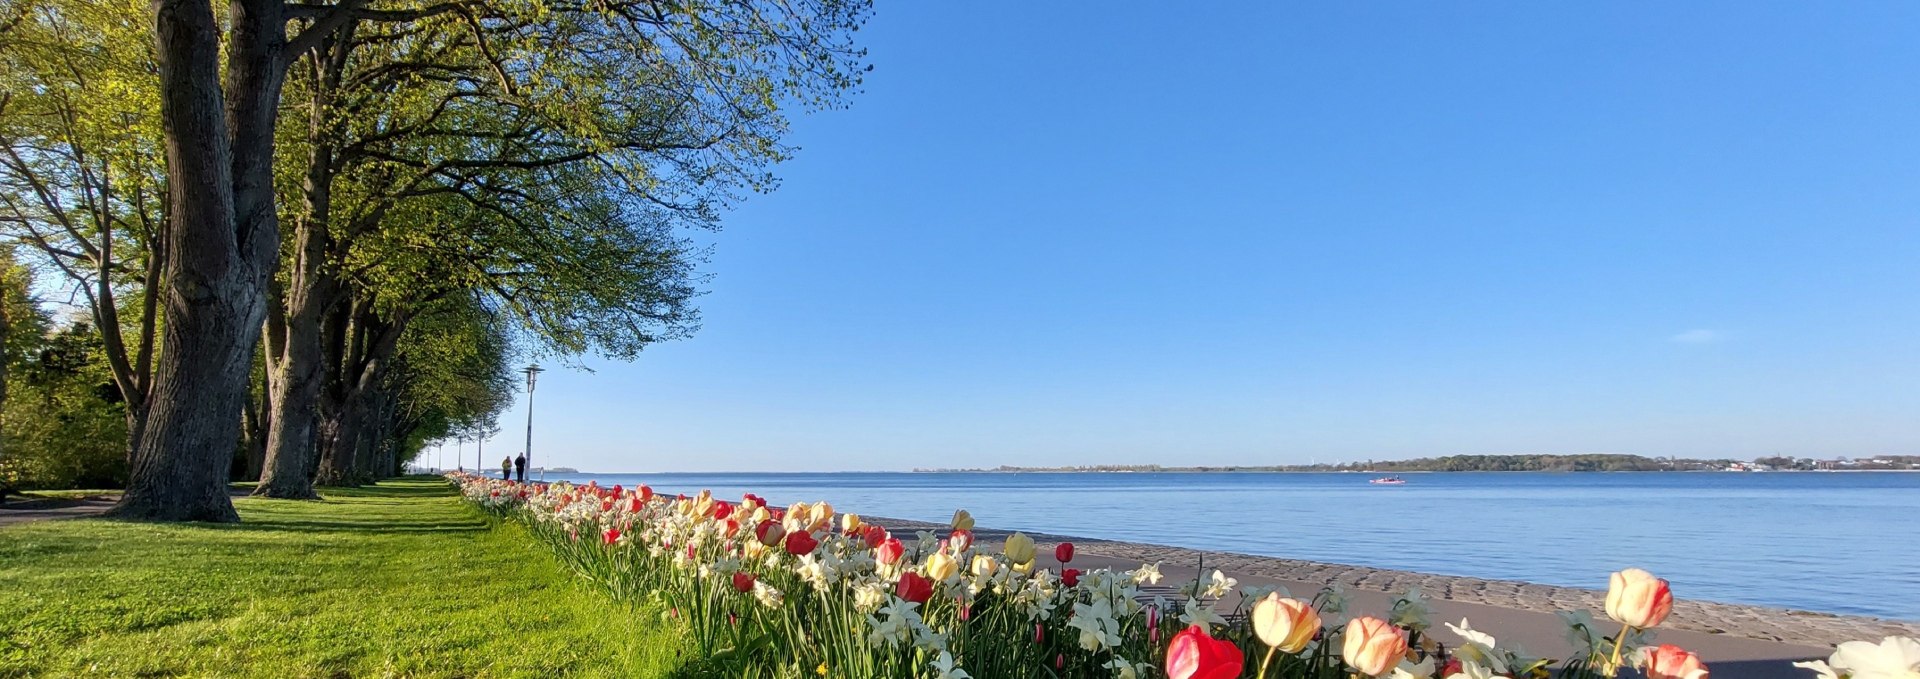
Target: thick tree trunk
[220,252]
[299,372]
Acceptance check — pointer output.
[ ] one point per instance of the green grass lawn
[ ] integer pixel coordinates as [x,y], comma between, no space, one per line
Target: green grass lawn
[399,579]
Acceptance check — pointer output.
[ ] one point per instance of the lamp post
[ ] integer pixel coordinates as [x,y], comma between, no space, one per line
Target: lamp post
[533,371]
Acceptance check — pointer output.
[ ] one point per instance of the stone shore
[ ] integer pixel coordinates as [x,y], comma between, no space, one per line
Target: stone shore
[1801,628]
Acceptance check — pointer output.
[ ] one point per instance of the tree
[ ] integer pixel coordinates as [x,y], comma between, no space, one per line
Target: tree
[82,182]
[540,158]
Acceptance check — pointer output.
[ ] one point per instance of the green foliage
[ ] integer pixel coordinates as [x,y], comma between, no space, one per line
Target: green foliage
[64,424]
[397,579]
[455,374]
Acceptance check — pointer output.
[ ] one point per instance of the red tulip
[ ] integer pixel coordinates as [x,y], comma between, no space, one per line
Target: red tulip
[914,588]
[960,540]
[1070,576]
[769,532]
[611,536]
[646,493]
[634,504]
[742,582]
[1194,655]
[1668,661]
[1064,552]
[889,552]
[721,510]
[617,489]
[733,527]
[801,543]
[874,535]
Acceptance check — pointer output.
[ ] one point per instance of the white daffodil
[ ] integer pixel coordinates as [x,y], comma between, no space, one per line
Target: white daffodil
[767,595]
[895,624]
[1122,669]
[1892,658]
[1218,585]
[1201,615]
[1146,574]
[1411,670]
[1477,647]
[1098,628]
[943,668]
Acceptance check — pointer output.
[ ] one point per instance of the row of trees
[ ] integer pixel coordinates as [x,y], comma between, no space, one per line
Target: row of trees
[321,233]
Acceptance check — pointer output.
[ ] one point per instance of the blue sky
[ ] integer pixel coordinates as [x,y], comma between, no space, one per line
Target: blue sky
[1076,233]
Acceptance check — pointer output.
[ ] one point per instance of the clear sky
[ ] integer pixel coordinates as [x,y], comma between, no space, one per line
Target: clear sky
[1081,233]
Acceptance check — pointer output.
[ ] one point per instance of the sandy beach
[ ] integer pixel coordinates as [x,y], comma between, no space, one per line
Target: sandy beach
[1736,640]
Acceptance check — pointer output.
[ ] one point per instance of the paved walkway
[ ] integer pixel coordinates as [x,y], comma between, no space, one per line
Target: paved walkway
[21,511]
[17,510]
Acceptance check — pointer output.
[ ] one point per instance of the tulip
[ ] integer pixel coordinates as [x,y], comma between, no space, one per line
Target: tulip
[889,552]
[822,515]
[1374,646]
[912,587]
[1064,552]
[742,582]
[1637,599]
[984,565]
[722,510]
[769,532]
[1070,576]
[1019,548]
[646,494]
[801,543]
[940,566]
[960,540]
[873,535]
[1194,655]
[962,520]
[1668,661]
[611,536]
[849,523]
[1285,624]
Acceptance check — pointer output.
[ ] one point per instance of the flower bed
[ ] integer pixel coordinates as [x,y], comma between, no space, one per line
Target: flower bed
[799,591]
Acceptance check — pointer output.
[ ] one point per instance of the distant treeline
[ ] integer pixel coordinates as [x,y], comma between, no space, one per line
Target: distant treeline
[1595,462]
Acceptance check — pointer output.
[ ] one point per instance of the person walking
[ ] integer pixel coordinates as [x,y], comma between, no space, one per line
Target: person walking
[506,469]
[520,466]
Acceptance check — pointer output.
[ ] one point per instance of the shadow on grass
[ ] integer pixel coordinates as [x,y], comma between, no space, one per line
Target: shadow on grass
[391,489]
[325,525]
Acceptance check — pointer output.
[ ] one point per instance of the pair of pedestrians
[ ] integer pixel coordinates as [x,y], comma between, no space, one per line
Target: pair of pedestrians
[510,465]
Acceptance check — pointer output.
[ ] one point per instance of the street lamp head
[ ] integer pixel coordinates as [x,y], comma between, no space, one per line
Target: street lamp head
[533,371]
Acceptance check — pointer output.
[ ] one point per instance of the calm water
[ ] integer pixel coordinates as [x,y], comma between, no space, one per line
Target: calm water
[1839,542]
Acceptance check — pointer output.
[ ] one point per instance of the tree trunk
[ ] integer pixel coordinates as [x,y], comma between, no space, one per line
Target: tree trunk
[220,252]
[299,371]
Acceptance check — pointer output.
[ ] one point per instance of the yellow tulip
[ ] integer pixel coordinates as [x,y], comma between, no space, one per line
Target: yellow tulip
[984,565]
[1285,624]
[962,520]
[1019,548]
[849,523]
[940,566]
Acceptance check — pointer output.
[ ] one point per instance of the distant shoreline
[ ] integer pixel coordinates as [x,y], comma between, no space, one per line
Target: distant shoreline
[1235,471]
